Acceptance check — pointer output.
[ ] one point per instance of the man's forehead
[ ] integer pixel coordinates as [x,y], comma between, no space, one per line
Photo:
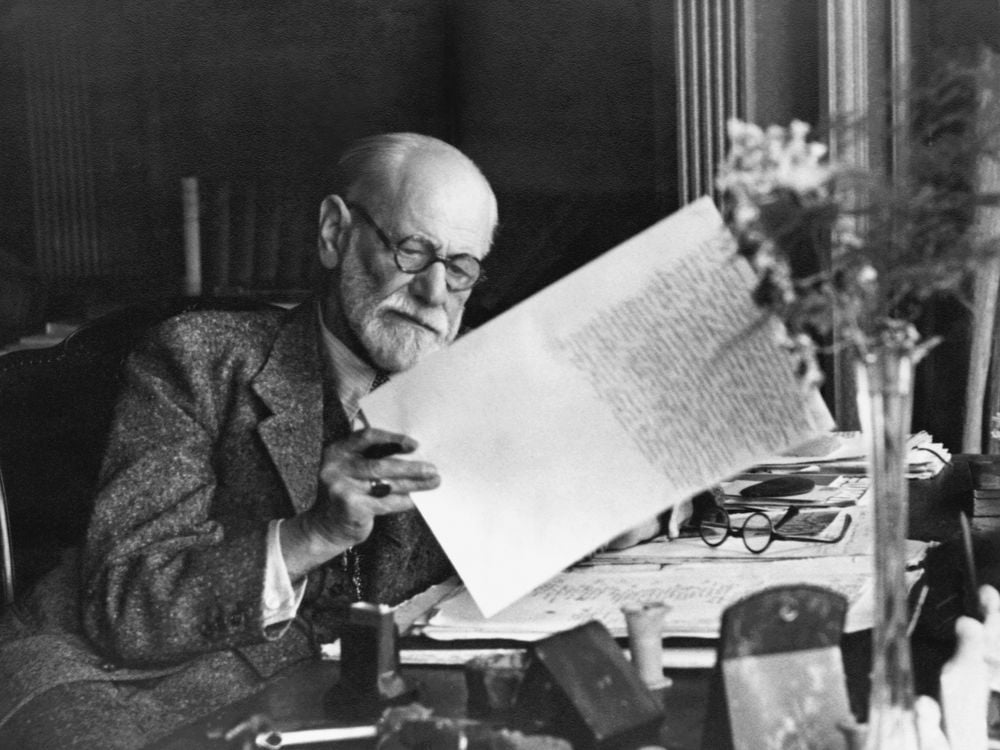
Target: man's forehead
[453,230]
[451,208]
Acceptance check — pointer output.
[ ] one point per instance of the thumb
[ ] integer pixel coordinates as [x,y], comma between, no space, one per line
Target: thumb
[970,647]
[965,688]
[929,724]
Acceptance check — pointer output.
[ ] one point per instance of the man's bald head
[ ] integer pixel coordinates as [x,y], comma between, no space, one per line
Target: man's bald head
[375,169]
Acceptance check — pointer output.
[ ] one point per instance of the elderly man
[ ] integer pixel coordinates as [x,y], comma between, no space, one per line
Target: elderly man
[242,497]
[234,422]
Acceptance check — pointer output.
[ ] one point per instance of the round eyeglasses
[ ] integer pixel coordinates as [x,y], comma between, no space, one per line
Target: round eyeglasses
[415,255]
[758,530]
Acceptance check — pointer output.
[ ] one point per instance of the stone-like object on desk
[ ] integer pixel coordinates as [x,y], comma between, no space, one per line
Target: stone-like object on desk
[783,486]
[492,682]
[413,727]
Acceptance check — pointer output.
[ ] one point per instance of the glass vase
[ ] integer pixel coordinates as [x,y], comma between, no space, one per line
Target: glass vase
[885,395]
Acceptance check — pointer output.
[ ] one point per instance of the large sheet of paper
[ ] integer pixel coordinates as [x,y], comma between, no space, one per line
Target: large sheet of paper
[611,395]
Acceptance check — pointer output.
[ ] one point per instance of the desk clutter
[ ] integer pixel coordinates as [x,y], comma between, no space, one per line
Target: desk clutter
[472,692]
[577,689]
[817,564]
[573,689]
[398,728]
[811,524]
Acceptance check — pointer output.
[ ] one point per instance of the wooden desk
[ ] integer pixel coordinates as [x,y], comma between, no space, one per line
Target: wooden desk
[297,699]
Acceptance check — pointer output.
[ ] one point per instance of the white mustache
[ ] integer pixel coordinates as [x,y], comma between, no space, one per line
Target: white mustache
[437,322]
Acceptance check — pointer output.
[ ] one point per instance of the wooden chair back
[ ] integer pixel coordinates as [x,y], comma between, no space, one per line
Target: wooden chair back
[56,405]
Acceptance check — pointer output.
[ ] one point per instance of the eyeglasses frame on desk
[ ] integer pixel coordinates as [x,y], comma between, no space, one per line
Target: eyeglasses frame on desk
[719,518]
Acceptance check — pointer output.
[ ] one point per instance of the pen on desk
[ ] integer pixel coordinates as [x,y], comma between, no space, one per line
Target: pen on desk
[274,740]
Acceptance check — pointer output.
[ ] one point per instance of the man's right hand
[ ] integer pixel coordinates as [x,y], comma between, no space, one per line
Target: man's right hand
[345,509]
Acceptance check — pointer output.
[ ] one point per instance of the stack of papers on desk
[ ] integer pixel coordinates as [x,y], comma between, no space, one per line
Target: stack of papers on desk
[830,491]
[696,581]
[846,453]
[696,594]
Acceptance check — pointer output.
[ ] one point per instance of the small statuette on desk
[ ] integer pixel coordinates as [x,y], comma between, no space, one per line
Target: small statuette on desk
[492,683]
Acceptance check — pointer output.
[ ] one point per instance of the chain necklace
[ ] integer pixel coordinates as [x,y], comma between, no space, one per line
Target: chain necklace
[350,563]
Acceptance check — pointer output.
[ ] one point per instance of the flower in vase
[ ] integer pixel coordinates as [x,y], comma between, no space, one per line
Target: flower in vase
[845,258]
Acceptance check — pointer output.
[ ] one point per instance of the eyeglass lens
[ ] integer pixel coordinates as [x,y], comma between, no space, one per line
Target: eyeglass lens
[462,270]
[714,528]
[757,532]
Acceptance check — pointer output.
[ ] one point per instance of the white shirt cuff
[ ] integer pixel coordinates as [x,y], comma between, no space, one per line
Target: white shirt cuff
[281,599]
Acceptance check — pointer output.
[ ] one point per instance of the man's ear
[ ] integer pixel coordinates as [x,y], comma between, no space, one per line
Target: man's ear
[334,220]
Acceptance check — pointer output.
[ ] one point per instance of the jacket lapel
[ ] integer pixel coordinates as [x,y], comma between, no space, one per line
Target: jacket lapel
[290,383]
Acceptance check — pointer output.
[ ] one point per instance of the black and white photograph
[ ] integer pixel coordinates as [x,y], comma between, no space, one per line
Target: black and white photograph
[500,374]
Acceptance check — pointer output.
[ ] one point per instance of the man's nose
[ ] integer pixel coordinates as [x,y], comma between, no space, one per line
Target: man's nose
[430,286]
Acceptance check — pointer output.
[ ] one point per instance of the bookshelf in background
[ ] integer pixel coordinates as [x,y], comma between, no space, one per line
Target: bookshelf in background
[257,238]
[985,473]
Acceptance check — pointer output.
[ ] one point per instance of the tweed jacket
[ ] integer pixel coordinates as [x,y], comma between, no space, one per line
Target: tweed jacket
[219,430]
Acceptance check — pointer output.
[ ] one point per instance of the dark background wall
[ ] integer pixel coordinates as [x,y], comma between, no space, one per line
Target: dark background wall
[554,100]
[945,33]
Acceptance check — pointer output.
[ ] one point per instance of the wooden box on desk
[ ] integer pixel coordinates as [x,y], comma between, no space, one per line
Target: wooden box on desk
[581,687]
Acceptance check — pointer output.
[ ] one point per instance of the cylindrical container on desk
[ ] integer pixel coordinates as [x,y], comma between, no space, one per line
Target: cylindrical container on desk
[644,623]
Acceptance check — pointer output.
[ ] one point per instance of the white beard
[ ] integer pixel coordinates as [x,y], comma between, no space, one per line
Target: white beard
[392,344]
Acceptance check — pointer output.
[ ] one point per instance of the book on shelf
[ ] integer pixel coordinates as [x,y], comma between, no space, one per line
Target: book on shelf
[985,474]
[986,524]
[985,506]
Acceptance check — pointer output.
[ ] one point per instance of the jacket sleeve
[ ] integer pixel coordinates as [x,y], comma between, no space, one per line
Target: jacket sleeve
[165,577]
